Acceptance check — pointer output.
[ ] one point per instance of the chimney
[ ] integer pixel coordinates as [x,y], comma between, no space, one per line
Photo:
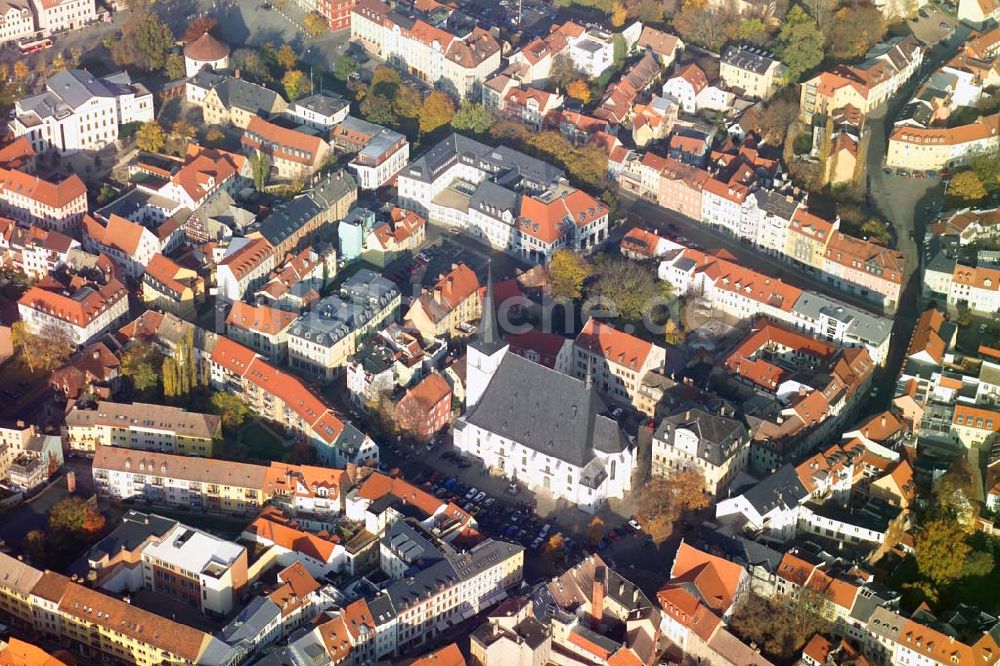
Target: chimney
[236,73]
[883,420]
[597,598]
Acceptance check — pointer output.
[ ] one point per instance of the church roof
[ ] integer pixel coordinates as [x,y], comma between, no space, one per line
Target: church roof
[546,411]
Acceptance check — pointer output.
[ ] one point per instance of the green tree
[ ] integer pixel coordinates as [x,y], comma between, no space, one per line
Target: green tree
[800,43]
[230,407]
[377,108]
[567,273]
[344,66]
[175,67]
[588,164]
[260,167]
[407,103]
[150,137]
[967,187]
[987,168]
[144,42]
[141,364]
[649,11]
[294,82]
[437,111]
[941,551]
[751,30]
[314,24]
[474,118]
[631,287]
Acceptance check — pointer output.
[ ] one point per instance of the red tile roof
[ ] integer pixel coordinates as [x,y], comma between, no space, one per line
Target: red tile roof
[616,346]
[54,195]
[259,318]
[286,143]
[544,219]
[290,538]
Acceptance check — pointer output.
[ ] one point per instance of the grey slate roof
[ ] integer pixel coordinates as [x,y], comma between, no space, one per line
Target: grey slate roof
[782,488]
[502,162]
[750,58]
[325,103]
[134,529]
[546,411]
[719,437]
[247,96]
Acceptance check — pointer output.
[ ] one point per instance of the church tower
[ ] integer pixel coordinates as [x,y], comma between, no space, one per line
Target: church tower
[486,351]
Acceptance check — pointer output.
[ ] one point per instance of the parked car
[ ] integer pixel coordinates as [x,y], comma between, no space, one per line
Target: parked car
[634,524]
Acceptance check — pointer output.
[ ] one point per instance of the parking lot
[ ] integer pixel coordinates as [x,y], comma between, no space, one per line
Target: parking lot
[519,515]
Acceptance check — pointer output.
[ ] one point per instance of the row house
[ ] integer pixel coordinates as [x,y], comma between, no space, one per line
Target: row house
[864,268]
[939,148]
[286,401]
[243,268]
[262,328]
[32,201]
[17,21]
[888,66]
[458,64]
[171,287]
[142,427]
[99,626]
[449,307]
[55,16]
[207,484]
[33,250]
[291,154]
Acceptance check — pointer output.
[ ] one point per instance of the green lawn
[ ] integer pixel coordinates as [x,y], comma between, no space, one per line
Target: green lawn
[261,443]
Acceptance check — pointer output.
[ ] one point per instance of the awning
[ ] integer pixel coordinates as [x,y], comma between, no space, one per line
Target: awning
[468,612]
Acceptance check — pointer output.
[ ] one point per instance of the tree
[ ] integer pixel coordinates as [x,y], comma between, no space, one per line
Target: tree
[169,372]
[567,273]
[941,551]
[377,108]
[855,29]
[821,12]
[987,168]
[672,333]
[141,363]
[294,82]
[144,42]
[175,67]
[20,70]
[214,137]
[967,187]
[752,30]
[285,57]
[251,64]
[649,11]
[555,548]
[800,43]
[76,516]
[633,288]
[618,15]
[344,66]
[260,168]
[875,232]
[314,24]
[438,110]
[407,103]
[955,496]
[150,137]
[587,164]
[230,407]
[198,27]
[564,72]
[43,351]
[663,500]
[779,628]
[471,117]
[698,23]
[595,531]
[34,547]
[579,90]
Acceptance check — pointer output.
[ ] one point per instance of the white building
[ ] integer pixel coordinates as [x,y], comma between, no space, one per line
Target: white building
[16,20]
[205,51]
[244,267]
[321,110]
[81,315]
[35,202]
[592,52]
[538,426]
[59,15]
[456,63]
[79,111]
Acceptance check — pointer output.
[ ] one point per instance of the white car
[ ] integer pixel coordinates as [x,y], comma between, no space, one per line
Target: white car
[634,524]
[472,493]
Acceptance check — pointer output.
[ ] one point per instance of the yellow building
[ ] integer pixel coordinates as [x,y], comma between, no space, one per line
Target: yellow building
[449,306]
[169,286]
[232,101]
[142,426]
